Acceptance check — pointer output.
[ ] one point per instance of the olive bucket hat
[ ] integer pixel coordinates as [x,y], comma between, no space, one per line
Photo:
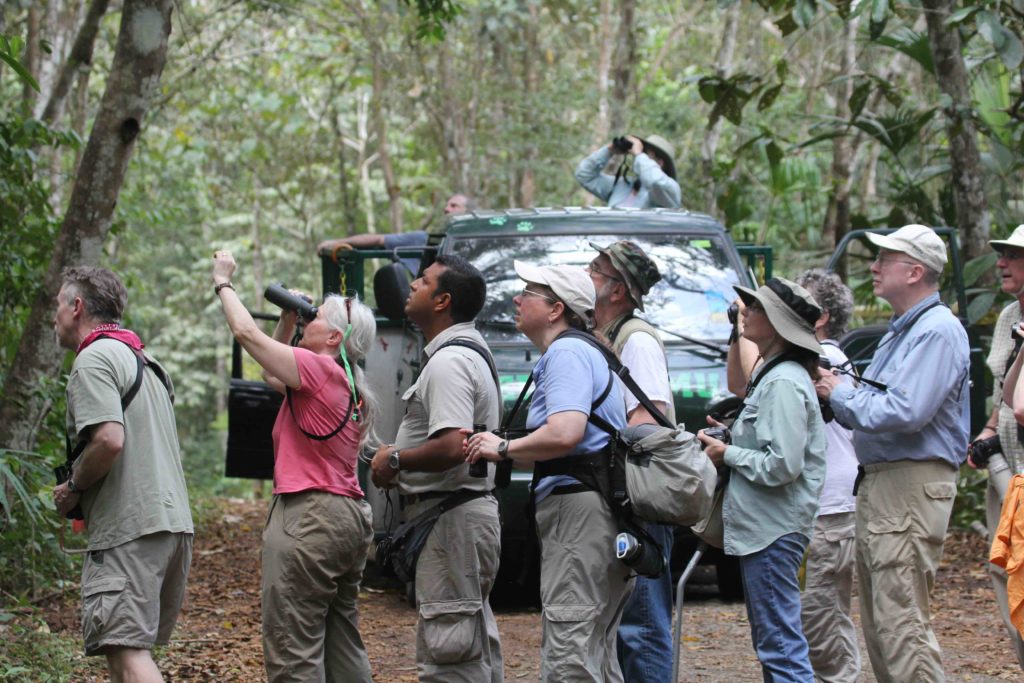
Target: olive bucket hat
[639,273]
[790,308]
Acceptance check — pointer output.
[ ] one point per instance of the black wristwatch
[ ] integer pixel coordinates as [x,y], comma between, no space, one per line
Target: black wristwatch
[503,449]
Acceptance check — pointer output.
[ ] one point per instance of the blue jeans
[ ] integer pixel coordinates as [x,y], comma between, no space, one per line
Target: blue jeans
[645,632]
[773,607]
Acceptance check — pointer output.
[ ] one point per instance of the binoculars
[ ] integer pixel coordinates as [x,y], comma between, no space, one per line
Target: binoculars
[279,295]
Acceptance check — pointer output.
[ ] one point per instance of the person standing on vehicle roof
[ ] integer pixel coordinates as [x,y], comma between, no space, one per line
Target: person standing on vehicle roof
[127,478]
[910,439]
[622,274]
[456,633]
[1007,338]
[654,185]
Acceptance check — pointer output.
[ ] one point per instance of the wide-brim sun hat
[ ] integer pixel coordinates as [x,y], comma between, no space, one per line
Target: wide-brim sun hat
[790,308]
[1015,240]
[919,242]
[571,284]
[667,151]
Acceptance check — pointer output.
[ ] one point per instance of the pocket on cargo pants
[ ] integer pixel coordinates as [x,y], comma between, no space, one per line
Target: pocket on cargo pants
[451,631]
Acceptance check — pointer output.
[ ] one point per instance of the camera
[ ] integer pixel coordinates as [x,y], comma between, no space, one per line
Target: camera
[279,295]
[621,144]
[981,450]
[643,558]
[721,433]
[734,313]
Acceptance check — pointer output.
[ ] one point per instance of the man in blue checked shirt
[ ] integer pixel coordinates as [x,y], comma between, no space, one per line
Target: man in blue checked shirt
[910,429]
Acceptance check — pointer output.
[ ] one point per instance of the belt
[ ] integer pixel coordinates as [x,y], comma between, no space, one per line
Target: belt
[414,498]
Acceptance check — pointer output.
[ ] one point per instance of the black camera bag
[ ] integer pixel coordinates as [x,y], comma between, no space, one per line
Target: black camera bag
[400,551]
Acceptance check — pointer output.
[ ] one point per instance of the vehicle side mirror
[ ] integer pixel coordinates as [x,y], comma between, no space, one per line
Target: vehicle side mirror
[391,289]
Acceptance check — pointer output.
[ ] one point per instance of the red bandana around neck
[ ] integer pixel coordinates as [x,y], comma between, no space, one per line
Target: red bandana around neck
[114,331]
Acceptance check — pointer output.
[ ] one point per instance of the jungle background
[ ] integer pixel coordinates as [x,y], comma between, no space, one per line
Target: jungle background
[143,134]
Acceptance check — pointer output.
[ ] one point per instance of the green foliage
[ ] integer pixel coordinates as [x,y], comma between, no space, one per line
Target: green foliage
[969,505]
[30,652]
[10,49]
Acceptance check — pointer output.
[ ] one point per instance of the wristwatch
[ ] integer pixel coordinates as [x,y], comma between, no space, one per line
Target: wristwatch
[503,449]
[72,487]
[393,460]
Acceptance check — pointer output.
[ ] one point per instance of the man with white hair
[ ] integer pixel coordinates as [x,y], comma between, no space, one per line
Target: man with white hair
[910,419]
[1006,343]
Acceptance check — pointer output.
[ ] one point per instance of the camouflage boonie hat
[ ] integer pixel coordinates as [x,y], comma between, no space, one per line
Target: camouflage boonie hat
[639,273]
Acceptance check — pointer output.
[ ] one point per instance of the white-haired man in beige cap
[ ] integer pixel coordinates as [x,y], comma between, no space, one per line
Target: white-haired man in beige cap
[1006,344]
[910,438]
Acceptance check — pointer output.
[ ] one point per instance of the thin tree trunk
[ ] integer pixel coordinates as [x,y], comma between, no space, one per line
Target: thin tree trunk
[139,58]
[967,174]
[723,69]
[531,79]
[623,64]
[604,65]
[380,123]
[837,215]
[33,55]
[79,59]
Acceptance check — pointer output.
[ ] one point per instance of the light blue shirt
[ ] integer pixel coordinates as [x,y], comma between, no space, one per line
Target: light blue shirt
[570,376]
[777,459]
[657,189]
[925,414]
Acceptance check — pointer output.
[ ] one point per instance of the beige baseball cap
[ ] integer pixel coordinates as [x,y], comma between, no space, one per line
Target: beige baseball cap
[1015,240]
[571,284]
[916,241]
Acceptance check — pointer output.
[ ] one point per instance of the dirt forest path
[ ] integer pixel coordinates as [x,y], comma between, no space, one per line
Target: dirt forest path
[218,634]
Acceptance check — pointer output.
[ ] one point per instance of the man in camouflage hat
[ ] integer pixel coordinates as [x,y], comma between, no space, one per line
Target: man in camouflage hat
[623,274]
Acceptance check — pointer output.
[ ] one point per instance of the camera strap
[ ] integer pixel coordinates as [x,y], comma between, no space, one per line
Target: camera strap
[322,437]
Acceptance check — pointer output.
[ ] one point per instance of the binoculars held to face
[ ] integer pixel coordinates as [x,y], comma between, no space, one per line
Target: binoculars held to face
[279,295]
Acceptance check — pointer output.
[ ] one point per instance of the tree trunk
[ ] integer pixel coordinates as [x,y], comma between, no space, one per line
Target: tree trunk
[602,132]
[837,215]
[139,58]
[723,69]
[968,180]
[78,60]
[33,56]
[623,65]
[380,123]
[531,80]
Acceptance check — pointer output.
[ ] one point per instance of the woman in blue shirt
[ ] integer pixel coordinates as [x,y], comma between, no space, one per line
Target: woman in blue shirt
[583,586]
[777,465]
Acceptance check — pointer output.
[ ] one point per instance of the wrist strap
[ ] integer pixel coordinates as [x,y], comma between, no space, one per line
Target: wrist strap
[223,285]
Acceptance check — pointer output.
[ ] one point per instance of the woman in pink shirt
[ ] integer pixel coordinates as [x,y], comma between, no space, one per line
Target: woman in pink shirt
[319,526]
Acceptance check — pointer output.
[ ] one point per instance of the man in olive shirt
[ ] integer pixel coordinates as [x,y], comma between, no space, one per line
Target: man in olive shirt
[456,634]
[128,478]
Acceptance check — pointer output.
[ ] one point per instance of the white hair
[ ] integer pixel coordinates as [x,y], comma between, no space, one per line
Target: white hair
[357,345]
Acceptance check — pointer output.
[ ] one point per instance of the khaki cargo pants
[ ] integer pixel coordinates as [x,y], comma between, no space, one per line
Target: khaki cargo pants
[314,552]
[456,633]
[826,599]
[583,589]
[903,510]
[999,475]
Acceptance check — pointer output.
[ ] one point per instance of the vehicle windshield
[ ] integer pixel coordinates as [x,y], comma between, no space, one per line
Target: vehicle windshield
[691,299]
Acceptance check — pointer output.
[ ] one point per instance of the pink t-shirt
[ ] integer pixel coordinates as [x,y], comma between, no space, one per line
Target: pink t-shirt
[321,402]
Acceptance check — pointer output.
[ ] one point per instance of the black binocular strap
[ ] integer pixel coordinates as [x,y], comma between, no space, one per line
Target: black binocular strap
[484,353]
[324,437]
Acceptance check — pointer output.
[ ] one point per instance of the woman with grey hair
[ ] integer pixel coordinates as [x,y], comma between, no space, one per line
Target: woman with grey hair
[319,526]
[828,579]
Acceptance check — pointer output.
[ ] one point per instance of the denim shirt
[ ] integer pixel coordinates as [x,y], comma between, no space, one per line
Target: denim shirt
[777,459]
[925,414]
[657,189]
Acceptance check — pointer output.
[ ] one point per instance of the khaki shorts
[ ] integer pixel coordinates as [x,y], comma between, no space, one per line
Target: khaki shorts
[132,593]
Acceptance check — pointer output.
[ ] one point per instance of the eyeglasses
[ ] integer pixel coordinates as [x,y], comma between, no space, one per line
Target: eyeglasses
[882,261]
[1011,254]
[530,292]
[592,267]
[755,307]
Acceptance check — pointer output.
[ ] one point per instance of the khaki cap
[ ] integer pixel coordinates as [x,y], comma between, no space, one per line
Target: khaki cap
[1015,240]
[571,284]
[916,241]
